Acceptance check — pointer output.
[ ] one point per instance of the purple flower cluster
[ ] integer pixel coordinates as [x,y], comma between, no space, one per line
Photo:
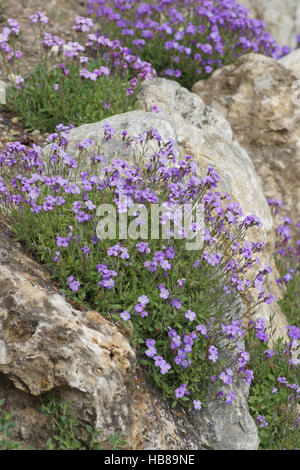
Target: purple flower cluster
[107,276]
[39,17]
[197,36]
[9,34]
[261,421]
[181,391]
[182,346]
[166,303]
[139,308]
[158,360]
[287,246]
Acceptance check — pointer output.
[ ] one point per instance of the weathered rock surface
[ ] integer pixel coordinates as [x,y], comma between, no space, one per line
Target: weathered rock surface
[134,122]
[2,92]
[281,17]
[204,133]
[292,62]
[261,100]
[224,423]
[48,346]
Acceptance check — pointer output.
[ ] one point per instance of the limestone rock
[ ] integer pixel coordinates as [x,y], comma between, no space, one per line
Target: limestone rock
[292,62]
[134,122]
[282,18]
[47,345]
[261,100]
[224,424]
[202,132]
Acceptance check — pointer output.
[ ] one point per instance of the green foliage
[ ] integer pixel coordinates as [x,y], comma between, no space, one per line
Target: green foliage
[272,399]
[6,427]
[66,427]
[76,101]
[2,11]
[201,292]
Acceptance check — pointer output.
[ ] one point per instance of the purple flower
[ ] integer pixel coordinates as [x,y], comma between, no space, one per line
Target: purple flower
[143,299]
[181,282]
[181,391]
[213,354]
[143,247]
[270,299]
[84,144]
[293,332]
[260,324]
[74,285]
[165,265]
[113,250]
[197,404]
[176,303]
[230,397]
[107,283]
[190,315]
[282,380]
[150,342]
[124,253]
[163,293]
[63,242]
[248,374]
[262,336]
[164,368]
[262,420]
[125,315]
[151,351]
[151,266]
[226,376]
[202,329]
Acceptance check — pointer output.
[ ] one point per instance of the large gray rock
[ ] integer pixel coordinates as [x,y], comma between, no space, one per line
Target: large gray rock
[134,122]
[204,133]
[261,100]
[292,62]
[281,17]
[47,345]
[224,424]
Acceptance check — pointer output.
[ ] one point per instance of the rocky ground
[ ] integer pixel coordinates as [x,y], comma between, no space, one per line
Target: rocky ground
[62,14]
